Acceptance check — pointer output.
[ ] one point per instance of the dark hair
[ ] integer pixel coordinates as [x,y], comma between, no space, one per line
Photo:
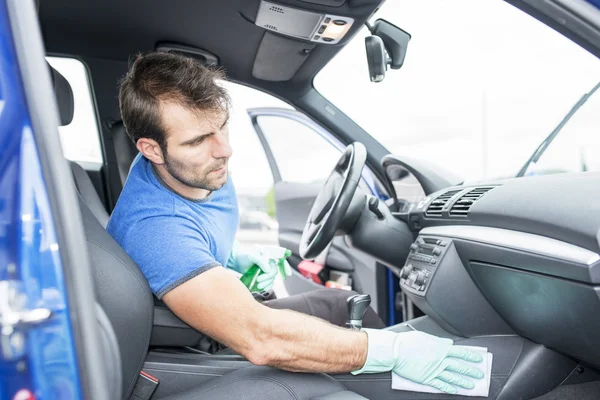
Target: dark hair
[162,76]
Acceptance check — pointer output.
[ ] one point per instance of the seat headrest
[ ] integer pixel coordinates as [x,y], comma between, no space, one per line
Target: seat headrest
[64,97]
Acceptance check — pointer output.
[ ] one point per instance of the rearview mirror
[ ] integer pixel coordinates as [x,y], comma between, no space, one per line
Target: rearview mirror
[376,58]
[395,41]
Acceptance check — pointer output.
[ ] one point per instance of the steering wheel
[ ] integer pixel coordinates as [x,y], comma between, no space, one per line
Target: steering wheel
[332,202]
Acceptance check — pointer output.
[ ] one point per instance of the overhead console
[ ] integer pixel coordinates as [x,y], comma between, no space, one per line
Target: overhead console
[303,24]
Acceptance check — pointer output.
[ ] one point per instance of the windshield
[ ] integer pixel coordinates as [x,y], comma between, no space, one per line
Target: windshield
[574,144]
[539,152]
[483,84]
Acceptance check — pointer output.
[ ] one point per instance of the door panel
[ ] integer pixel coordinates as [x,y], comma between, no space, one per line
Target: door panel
[293,202]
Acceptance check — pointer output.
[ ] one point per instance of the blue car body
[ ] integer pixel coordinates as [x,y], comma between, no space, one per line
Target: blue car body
[37,359]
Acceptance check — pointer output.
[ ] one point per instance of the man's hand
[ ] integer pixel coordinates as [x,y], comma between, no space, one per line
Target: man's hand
[242,258]
[422,358]
[268,279]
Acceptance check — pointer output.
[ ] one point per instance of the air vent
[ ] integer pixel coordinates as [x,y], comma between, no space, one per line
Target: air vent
[272,27]
[462,206]
[435,208]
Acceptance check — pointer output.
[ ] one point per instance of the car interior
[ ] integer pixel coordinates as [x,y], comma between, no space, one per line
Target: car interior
[512,265]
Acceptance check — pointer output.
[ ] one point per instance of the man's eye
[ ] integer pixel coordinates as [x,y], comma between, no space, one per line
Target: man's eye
[199,141]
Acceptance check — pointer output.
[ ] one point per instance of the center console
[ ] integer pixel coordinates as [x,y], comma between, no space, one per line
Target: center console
[436,281]
[425,255]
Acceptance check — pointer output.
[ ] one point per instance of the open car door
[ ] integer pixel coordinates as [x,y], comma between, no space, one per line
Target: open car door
[301,155]
[55,341]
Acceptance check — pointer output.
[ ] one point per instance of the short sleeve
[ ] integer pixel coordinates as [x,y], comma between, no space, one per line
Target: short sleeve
[169,250]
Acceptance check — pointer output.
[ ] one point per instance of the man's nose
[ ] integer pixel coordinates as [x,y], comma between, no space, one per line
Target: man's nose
[221,148]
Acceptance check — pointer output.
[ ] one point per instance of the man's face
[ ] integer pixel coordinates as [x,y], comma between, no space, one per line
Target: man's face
[197,146]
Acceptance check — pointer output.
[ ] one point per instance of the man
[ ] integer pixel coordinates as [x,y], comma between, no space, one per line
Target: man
[177,217]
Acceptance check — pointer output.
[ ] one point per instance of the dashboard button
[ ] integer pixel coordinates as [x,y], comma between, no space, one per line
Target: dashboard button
[406,271]
[420,280]
[437,252]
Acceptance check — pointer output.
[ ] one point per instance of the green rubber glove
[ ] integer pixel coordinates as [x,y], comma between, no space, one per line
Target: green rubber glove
[270,259]
[279,265]
[244,257]
[421,358]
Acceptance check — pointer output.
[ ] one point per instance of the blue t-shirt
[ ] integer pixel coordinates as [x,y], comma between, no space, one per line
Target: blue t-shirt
[171,238]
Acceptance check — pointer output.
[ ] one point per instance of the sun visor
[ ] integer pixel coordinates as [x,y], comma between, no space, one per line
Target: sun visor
[278,58]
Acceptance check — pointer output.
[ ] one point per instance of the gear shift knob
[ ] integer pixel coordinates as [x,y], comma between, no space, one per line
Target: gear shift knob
[357,306]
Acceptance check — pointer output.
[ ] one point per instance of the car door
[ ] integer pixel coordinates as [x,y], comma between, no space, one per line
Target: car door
[50,345]
[301,154]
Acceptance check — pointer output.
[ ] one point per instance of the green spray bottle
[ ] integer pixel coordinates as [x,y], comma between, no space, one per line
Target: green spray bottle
[278,256]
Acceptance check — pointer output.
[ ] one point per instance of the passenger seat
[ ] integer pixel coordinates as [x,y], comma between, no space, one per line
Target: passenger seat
[125,150]
[66,107]
[88,192]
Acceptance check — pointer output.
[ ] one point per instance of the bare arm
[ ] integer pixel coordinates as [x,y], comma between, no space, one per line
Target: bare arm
[217,303]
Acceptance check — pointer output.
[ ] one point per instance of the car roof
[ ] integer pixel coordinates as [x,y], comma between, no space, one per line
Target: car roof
[116,30]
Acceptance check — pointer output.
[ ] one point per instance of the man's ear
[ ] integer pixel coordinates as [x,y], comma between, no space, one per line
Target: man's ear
[151,150]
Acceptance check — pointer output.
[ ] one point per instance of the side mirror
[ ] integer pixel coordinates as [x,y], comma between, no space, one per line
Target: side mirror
[376,58]
[395,41]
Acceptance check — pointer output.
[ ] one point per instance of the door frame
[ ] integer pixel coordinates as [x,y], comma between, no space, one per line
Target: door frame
[301,118]
[64,206]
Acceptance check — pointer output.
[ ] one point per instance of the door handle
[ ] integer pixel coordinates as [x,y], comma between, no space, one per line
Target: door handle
[14,319]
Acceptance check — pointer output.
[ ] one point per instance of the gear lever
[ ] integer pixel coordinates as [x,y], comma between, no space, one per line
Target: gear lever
[357,306]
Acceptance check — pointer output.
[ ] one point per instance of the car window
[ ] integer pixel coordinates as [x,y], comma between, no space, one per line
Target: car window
[302,154]
[576,148]
[80,139]
[249,167]
[475,96]
[316,158]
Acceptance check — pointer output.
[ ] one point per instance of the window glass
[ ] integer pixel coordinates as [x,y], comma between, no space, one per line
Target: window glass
[482,85]
[249,167]
[576,148]
[302,155]
[80,139]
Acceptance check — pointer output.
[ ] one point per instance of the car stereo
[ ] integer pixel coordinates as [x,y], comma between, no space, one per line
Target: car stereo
[425,255]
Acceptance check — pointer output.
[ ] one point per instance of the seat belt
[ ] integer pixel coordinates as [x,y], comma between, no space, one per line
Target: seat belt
[145,386]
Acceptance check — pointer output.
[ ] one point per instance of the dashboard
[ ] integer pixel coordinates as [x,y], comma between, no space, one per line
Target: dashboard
[565,207]
[518,256]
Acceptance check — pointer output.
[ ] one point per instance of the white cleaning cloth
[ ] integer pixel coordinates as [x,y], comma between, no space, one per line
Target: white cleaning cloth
[482,386]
